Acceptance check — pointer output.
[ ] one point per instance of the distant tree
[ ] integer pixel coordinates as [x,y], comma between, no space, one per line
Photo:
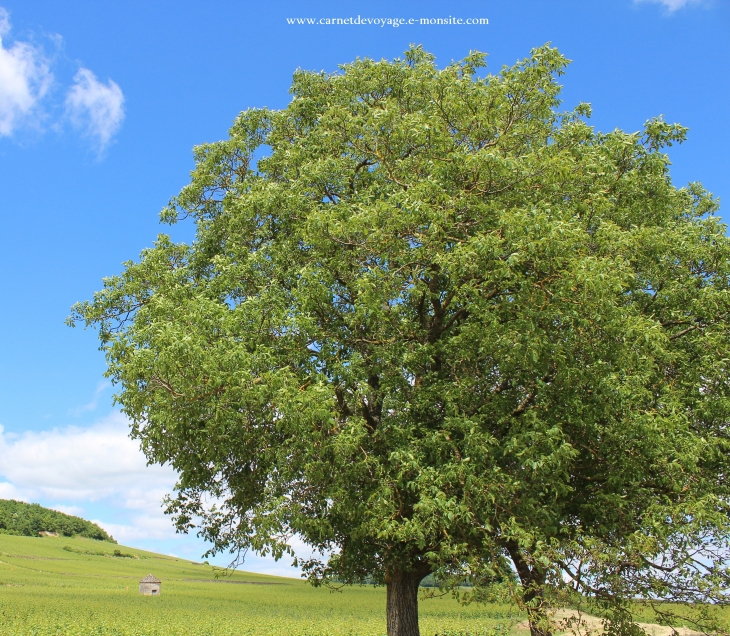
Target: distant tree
[20,518]
[439,327]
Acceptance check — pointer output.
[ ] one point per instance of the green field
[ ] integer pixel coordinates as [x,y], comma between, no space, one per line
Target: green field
[48,590]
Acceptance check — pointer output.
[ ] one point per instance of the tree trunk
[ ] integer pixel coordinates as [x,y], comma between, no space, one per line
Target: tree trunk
[538,619]
[533,584]
[402,600]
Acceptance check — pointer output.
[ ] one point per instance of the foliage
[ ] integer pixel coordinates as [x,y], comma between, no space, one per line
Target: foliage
[47,591]
[113,553]
[20,518]
[441,327]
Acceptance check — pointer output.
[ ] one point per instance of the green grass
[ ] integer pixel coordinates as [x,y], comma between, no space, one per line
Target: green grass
[48,590]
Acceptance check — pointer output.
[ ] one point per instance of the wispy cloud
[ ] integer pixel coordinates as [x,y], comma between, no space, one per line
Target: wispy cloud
[91,406]
[95,107]
[672,5]
[32,98]
[25,78]
[4,22]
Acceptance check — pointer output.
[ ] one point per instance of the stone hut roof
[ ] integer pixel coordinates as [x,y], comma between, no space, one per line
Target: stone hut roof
[150,579]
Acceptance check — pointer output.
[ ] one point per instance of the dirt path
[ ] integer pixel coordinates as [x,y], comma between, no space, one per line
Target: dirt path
[580,624]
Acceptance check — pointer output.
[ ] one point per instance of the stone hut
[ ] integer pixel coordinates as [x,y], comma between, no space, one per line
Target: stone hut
[150,586]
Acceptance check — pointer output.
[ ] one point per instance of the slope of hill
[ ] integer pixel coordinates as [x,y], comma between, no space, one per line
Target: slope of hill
[29,520]
[58,586]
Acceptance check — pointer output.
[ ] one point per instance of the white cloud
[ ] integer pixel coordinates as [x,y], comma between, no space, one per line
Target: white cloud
[25,78]
[99,464]
[83,464]
[9,491]
[99,469]
[672,5]
[141,528]
[76,511]
[95,107]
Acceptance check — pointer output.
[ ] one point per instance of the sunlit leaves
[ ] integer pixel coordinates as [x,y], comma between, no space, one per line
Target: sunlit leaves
[437,323]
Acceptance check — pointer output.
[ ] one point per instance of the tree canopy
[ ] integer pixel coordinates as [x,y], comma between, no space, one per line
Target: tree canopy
[432,324]
[20,518]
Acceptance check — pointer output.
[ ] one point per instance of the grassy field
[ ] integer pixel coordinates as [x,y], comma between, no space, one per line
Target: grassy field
[63,587]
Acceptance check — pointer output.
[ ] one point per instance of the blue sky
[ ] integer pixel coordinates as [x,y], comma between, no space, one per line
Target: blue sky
[101,104]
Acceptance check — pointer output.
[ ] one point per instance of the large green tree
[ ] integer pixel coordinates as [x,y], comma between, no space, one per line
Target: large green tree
[429,323]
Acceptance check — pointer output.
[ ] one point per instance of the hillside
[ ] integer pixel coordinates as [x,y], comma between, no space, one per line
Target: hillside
[58,586]
[29,520]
